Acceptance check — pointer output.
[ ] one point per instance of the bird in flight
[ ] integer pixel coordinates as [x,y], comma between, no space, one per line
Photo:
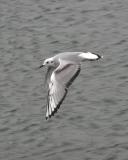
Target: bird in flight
[63,69]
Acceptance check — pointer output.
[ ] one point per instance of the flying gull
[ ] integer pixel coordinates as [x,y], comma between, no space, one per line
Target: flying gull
[62,70]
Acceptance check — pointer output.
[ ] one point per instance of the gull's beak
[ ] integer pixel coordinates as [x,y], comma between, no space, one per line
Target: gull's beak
[41,66]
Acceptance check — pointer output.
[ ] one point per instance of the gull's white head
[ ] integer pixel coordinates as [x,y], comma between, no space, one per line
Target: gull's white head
[48,62]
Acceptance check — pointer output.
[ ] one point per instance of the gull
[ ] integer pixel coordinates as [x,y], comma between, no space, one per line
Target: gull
[62,70]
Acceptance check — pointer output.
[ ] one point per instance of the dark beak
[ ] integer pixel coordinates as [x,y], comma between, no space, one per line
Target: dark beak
[41,66]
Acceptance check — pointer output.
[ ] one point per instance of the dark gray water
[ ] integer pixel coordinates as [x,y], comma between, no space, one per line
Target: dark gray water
[92,123]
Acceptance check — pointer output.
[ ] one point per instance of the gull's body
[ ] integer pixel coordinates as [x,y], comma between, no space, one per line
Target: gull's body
[62,70]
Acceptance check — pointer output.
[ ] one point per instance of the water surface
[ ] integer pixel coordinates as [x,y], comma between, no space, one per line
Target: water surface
[92,123]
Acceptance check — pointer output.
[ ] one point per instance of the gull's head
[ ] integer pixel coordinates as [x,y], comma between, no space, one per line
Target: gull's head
[48,62]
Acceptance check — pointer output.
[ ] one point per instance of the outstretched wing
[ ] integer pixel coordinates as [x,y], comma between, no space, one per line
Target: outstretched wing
[61,78]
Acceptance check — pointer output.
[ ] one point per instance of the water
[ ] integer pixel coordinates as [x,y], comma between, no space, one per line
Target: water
[92,123]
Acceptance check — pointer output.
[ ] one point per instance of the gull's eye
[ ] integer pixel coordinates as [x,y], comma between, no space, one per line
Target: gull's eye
[47,62]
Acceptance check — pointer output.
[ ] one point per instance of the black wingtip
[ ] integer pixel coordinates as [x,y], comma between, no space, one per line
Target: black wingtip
[99,56]
[52,114]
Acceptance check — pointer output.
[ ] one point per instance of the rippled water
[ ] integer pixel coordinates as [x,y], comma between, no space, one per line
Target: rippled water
[92,123]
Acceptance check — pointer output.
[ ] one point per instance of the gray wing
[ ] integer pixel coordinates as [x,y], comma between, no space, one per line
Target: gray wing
[48,74]
[61,78]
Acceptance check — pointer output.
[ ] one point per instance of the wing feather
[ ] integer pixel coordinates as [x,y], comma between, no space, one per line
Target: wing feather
[60,80]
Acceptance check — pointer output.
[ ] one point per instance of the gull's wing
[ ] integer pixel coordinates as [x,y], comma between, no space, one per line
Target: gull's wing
[48,74]
[61,78]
